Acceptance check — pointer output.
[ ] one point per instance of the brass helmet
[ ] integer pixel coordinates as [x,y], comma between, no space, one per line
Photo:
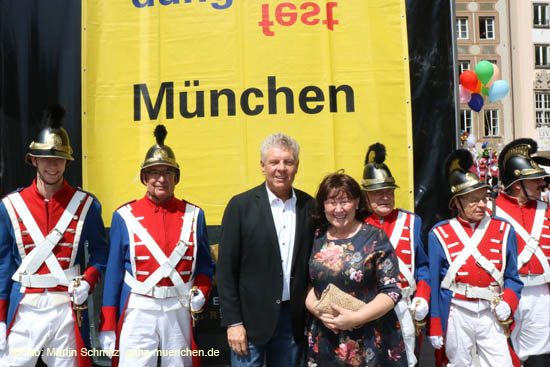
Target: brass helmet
[459,177]
[53,140]
[161,154]
[376,175]
[515,162]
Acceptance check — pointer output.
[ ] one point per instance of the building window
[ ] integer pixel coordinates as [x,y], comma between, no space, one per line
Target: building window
[466,121]
[542,109]
[540,15]
[542,55]
[462,28]
[463,65]
[487,28]
[491,123]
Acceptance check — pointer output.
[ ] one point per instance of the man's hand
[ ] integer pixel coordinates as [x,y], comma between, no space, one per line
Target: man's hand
[503,311]
[236,338]
[3,330]
[79,294]
[436,341]
[197,301]
[420,308]
[107,341]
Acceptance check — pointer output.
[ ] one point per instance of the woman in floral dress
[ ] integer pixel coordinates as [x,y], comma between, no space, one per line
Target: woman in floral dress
[359,259]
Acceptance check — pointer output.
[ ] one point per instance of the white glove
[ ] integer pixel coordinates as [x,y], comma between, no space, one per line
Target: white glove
[503,311]
[197,301]
[421,306]
[79,295]
[107,341]
[436,341]
[2,335]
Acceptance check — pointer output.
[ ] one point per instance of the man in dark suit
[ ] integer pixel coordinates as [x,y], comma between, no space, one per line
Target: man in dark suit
[262,272]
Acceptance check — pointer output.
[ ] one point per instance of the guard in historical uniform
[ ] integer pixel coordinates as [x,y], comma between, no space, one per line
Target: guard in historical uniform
[404,231]
[475,286]
[45,230]
[159,272]
[523,181]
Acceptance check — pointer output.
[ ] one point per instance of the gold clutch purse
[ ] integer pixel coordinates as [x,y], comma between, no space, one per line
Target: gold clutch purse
[334,295]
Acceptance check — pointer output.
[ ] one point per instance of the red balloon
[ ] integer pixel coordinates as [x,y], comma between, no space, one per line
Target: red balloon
[469,80]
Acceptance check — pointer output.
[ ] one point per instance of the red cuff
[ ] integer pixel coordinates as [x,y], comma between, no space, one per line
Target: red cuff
[91,275]
[434,326]
[4,304]
[107,318]
[509,296]
[204,284]
[423,290]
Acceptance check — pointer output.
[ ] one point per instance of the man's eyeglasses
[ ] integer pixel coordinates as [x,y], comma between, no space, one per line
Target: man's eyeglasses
[155,173]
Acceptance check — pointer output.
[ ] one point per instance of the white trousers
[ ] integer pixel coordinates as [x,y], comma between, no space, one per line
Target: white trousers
[33,329]
[467,328]
[148,335]
[531,335]
[407,329]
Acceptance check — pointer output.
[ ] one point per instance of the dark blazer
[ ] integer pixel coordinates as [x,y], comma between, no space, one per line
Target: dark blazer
[249,272]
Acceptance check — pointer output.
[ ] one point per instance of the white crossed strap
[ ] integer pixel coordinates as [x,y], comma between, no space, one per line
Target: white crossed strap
[531,243]
[42,253]
[168,265]
[470,249]
[394,239]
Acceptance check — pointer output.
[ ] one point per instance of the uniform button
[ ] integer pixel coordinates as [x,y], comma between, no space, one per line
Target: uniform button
[280,274]
[278,301]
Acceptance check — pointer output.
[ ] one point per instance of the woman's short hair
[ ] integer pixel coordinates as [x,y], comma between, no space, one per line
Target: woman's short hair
[332,186]
[282,141]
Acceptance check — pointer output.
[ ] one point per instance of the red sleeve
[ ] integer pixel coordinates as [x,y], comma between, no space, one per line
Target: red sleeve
[107,319]
[509,296]
[4,304]
[423,290]
[91,275]
[434,326]
[204,284]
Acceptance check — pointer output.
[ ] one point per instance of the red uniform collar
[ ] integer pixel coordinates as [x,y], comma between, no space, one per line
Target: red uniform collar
[508,200]
[169,205]
[64,190]
[388,218]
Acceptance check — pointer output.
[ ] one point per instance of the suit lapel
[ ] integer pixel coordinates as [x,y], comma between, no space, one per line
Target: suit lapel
[267,218]
[300,220]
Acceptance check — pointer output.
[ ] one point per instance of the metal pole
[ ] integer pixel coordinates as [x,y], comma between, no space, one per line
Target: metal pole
[455,72]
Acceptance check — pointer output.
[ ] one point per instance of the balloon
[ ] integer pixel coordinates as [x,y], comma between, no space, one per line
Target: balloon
[498,90]
[478,88]
[485,91]
[496,76]
[468,79]
[484,71]
[465,94]
[476,102]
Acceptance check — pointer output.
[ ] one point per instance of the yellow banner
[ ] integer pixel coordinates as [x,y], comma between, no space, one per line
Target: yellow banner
[221,75]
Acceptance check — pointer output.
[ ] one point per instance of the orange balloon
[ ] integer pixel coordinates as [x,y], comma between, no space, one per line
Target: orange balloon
[478,87]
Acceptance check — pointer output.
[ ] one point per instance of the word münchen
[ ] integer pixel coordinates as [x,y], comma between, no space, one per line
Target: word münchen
[252,101]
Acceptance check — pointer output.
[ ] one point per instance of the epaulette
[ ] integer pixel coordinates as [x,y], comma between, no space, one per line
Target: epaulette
[130,202]
[439,224]
[408,212]
[188,202]
[87,192]
[19,189]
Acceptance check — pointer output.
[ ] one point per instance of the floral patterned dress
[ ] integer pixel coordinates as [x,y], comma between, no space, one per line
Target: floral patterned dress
[363,265]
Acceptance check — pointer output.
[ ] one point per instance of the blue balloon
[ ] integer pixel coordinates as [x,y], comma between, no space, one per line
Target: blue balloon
[498,90]
[476,103]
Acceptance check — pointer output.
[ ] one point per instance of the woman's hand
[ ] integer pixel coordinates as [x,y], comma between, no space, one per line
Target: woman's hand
[344,320]
[311,302]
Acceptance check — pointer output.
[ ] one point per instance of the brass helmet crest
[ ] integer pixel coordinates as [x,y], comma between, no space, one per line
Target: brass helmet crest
[459,177]
[52,140]
[159,153]
[515,162]
[376,175]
